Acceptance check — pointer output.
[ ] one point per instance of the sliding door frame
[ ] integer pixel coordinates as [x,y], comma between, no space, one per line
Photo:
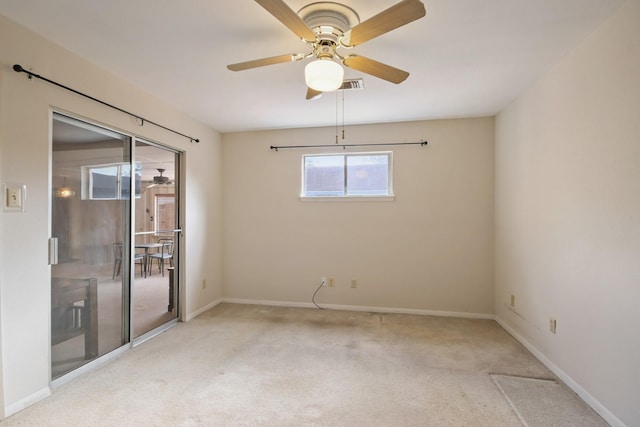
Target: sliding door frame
[127,268]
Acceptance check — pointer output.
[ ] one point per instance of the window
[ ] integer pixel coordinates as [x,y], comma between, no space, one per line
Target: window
[347,175]
[109,182]
[165,209]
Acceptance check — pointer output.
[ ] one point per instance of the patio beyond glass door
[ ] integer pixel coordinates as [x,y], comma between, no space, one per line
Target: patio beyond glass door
[155,283]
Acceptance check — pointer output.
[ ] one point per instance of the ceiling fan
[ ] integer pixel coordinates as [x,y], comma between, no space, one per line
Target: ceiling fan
[160,179]
[327,27]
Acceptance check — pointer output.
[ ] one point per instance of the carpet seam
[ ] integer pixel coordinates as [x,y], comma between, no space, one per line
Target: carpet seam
[513,406]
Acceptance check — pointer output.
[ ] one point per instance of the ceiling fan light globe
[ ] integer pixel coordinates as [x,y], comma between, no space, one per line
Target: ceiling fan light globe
[323,75]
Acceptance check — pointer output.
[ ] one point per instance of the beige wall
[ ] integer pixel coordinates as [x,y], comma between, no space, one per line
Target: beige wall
[25,107]
[430,249]
[2,238]
[568,216]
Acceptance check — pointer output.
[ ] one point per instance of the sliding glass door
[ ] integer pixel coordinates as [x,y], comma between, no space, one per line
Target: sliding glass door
[157,232]
[90,241]
[115,241]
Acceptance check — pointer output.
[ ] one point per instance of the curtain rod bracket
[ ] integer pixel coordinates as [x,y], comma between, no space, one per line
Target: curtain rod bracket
[19,69]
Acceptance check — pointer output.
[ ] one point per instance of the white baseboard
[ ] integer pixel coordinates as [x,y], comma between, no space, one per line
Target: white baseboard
[201,310]
[564,377]
[342,307]
[27,401]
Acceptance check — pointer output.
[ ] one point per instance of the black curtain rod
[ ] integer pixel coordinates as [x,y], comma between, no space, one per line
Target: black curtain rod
[18,69]
[344,146]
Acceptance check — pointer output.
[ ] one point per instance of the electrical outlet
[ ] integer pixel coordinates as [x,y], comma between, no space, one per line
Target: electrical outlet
[354,283]
[513,300]
[552,325]
[330,281]
[323,281]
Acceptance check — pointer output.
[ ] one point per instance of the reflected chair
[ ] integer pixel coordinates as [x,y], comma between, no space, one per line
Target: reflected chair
[117,260]
[141,260]
[166,253]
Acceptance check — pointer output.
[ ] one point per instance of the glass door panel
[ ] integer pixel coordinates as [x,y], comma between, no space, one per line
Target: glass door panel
[91,174]
[155,285]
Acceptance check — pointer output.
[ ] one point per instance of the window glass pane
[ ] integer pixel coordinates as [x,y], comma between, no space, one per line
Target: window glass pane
[104,182]
[138,181]
[125,177]
[323,176]
[368,175]
[165,212]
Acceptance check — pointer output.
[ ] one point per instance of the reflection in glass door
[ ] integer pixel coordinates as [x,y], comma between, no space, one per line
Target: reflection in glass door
[91,186]
[155,285]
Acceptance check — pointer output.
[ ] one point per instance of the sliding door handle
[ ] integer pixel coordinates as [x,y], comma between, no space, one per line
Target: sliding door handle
[53,251]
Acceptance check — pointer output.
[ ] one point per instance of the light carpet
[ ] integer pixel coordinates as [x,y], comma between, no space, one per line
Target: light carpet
[546,403]
[249,365]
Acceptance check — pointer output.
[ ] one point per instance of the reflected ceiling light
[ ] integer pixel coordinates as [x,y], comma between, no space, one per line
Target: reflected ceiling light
[323,75]
[65,192]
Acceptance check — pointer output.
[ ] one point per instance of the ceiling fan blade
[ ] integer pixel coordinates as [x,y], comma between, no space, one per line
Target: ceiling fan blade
[313,94]
[375,68]
[289,18]
[396,16]
[240,66]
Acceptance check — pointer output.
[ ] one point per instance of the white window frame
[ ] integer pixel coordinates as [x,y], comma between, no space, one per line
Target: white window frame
[157,219]
[122,170]
[346,197]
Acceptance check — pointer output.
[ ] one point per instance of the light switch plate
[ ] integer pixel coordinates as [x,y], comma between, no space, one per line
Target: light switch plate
[14,197]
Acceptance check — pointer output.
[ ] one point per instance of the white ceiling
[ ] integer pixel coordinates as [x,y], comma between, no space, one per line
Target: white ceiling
[466,57]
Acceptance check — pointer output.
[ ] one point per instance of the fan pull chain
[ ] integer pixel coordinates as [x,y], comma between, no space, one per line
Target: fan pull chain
[336,117]
[337,105]
[343,115]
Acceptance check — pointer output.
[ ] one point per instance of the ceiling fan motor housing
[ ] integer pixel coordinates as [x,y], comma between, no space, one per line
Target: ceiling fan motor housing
[329,20]
[160,179]
[325,49]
